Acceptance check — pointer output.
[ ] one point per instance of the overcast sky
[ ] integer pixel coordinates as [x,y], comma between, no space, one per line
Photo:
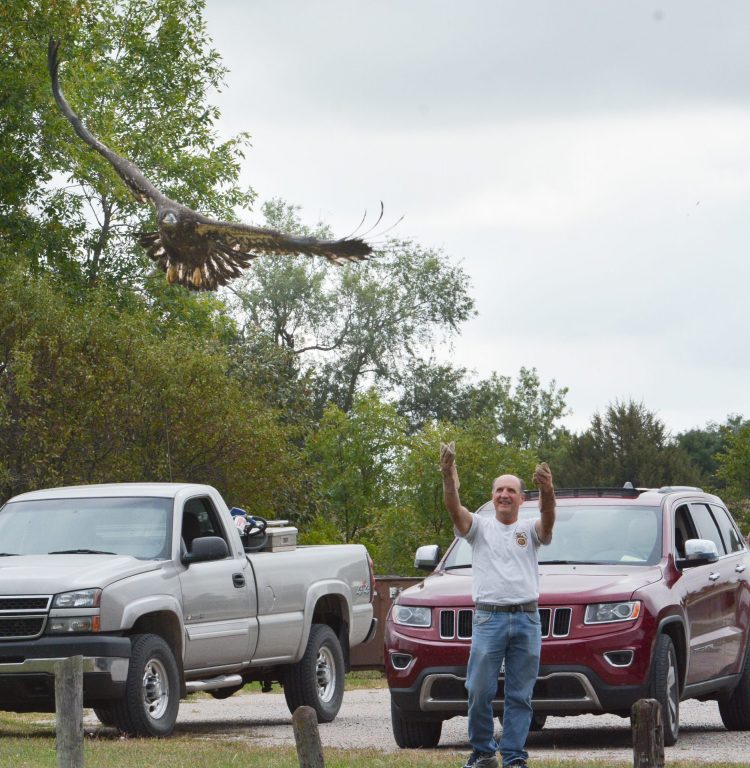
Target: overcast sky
[587,162]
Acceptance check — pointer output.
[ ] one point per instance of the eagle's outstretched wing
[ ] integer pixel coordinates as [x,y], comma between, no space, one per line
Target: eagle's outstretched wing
[193,250]
[143,190]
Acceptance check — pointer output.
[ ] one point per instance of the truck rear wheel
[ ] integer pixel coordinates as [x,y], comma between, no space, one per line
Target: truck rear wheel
[152,690]
[414,734]
[317,679]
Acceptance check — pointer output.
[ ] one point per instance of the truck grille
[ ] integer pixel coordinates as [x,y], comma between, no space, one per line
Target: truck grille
[23,617]
[458,623]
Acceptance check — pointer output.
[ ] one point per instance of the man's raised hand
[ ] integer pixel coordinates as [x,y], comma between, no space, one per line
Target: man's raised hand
[543,477]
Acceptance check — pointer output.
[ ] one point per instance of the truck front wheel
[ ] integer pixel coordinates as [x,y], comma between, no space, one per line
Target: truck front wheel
[152,690]
[317,679]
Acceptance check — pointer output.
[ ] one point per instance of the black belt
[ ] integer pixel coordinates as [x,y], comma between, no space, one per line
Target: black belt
[525,607]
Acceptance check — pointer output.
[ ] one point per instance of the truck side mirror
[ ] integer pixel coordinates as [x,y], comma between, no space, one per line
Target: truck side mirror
[427,557]
[206,548]
[698,552]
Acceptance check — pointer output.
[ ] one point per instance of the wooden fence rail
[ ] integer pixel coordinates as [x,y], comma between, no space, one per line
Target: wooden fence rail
[648,734]
[307,737]
[69,712]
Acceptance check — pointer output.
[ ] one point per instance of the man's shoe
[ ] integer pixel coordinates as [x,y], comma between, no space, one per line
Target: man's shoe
[481,760]
[517,763]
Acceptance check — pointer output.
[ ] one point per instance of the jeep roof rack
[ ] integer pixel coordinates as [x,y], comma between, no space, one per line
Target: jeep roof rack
[570,493]
[673,488]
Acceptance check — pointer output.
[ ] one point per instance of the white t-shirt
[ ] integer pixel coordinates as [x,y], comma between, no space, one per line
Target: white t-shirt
[504,561]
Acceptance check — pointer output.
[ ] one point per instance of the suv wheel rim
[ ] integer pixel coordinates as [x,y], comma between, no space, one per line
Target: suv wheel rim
[673,695]
[325,673]
[155,689]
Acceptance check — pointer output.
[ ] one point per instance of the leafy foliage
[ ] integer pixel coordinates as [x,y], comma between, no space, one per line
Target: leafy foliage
[626,444]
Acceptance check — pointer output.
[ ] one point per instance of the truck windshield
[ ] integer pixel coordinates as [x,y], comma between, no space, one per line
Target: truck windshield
[600,535]
[140,527]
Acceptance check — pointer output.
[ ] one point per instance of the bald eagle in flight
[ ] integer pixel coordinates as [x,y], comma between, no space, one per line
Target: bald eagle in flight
[194,250]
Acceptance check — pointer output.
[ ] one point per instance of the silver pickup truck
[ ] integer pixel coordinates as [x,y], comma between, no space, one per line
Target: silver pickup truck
[152,585]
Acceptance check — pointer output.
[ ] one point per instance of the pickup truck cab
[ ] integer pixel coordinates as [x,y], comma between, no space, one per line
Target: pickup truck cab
[152,586]
[643,594]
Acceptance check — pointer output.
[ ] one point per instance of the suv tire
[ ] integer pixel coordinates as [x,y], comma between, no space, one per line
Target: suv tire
[665,687]
[414,734]
[735,709]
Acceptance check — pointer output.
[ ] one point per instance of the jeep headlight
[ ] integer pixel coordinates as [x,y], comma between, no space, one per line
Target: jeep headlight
[606,613]
[81,598]
[412,615]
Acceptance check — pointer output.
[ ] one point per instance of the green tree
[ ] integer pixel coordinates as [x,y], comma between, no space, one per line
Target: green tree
[353,457]
[419,515]
[628,443]
[138,72]
[734,471]
[525,415]
[704,445]
[357,326]
[104,391]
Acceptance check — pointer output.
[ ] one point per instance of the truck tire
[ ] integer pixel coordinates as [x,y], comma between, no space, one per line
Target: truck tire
[317,679]
[665,687]
[152,690]
[104,714]
[414,734]
[735,709]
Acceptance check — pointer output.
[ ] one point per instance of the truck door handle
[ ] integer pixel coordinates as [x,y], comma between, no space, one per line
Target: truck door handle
[739,568]
[239,580]
[713,576]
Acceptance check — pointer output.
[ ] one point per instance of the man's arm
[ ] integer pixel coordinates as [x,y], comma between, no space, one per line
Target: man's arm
[546,522]
[460,516]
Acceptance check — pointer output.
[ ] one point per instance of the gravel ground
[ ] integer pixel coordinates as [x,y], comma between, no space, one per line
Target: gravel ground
[364,723]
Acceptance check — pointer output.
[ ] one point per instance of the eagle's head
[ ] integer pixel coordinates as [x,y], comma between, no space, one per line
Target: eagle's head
[167,217]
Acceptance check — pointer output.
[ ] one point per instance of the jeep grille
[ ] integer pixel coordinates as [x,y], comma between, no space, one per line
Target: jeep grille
[458,623]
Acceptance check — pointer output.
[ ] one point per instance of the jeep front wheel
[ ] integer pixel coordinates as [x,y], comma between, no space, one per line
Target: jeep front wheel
[414,734]
[665,687]
[317,679]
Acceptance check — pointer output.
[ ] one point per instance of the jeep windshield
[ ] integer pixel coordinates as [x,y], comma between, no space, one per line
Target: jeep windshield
[140,527]
[596,535]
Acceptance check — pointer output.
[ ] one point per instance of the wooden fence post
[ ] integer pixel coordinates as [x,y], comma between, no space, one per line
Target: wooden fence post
[307,736]
[69,712]
[648,734]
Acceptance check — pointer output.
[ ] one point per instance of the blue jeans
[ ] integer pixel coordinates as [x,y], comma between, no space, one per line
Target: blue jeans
[517,638]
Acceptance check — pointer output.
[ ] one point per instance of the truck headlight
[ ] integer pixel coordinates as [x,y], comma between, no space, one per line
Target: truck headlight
[62,625]
[81,598]
[606,613]
[412,615]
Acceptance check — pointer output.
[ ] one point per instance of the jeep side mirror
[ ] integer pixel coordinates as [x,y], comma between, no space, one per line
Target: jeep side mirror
[206,548]
[699,552]
[427,557]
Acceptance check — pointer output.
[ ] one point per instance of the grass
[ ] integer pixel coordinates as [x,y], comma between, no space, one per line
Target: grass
[28,741]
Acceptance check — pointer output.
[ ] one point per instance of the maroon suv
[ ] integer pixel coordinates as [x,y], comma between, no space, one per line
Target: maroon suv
[643,593]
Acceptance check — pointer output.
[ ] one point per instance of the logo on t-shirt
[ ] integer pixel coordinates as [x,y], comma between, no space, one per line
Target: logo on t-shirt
[521,539]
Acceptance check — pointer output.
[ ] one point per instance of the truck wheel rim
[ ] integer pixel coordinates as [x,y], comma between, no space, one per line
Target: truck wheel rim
[325,672]
[155,689]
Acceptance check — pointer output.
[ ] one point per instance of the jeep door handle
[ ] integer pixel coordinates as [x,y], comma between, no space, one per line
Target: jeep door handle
[713,576]
[739,568]
[238,580]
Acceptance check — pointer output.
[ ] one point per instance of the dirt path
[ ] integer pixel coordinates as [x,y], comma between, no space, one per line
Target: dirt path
[364,722]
